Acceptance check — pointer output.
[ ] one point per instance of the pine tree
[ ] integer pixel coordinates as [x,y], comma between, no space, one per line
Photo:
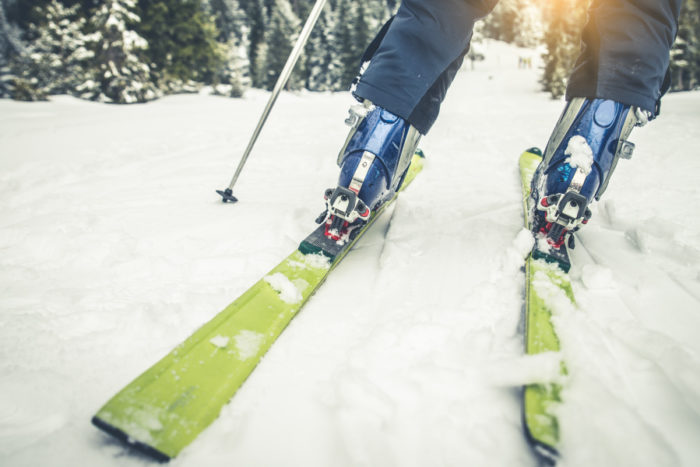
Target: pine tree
[234,73]
[228,18]
[280,36]
[23,13]
[349,50]
[475,52]
[257,17]
[10,48]
[685,54]
[529,30]
[259,68]
[562,39]
[377,13]
[392,5]
[358,22]
[495,25]
[302,8]
[56,61]
[183,43]
[515,21]
[364,26]
[237,71]
[324,67]
[121,75]
[10,43]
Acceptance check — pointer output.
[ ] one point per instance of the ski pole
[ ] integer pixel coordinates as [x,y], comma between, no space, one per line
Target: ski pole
[227,194]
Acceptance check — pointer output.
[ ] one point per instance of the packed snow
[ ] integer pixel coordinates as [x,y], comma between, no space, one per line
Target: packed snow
[115,248]
[580,154]
[248,343]
[220,341]
[289,293]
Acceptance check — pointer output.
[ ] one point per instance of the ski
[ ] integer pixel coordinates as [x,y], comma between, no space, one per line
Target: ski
[542,271]
[170,404]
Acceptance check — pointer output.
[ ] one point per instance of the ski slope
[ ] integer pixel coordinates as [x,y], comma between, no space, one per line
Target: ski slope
[114,248]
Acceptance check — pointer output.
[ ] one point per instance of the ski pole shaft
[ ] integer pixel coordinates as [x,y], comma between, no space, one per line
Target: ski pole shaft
[281,82]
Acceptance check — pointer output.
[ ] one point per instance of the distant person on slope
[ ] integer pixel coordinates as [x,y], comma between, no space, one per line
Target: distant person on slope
[617,84]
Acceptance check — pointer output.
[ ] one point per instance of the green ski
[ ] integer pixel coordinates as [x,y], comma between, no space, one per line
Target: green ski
[539,400]
[170,404]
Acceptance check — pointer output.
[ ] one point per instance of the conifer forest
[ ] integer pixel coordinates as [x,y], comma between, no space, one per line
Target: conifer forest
[128,51]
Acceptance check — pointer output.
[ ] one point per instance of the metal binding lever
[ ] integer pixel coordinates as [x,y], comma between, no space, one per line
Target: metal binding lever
[563,213]
[345,211]
[345,204]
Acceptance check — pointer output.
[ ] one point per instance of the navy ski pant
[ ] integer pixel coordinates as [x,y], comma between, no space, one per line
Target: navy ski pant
[625,54]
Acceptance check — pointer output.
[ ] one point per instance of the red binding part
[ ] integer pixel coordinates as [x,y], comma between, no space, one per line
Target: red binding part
[554,243]
[343,230]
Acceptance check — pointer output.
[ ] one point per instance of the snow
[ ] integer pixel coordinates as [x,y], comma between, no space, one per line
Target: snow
[114,248]
[289,293]
[248,344]
[220,341]
[313,261]
[580,154]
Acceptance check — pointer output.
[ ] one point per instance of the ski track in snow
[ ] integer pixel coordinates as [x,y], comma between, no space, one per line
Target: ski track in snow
[114,248]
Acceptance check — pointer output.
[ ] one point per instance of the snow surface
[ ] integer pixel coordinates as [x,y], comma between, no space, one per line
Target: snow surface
[114,248]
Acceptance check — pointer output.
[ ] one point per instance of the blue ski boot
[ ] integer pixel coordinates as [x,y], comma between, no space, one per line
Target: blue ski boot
[589,139]
[373,163]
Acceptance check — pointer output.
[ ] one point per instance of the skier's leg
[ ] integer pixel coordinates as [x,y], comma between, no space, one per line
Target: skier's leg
[401,90]
[616,85]
[417,59]
[373,162]
[625,52]
[582,151]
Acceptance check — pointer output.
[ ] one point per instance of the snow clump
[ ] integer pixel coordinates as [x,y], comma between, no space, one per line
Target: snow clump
[248,343]
[580,154]
[219,341]
[282,285]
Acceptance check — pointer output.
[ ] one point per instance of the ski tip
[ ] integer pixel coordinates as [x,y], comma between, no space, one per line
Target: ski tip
[547,454]
[227,196]
[129,441]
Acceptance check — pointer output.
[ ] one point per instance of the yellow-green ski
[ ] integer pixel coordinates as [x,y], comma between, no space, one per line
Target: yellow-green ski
[171,403]
[540,400]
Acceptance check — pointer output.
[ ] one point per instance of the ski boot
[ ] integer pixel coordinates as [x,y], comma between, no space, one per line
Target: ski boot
[585,146]
[373,163]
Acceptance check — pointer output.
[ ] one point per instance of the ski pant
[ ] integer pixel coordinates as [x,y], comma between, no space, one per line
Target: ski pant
[625,54]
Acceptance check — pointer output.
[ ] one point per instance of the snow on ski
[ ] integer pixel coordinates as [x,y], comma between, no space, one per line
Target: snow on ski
[171,403]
